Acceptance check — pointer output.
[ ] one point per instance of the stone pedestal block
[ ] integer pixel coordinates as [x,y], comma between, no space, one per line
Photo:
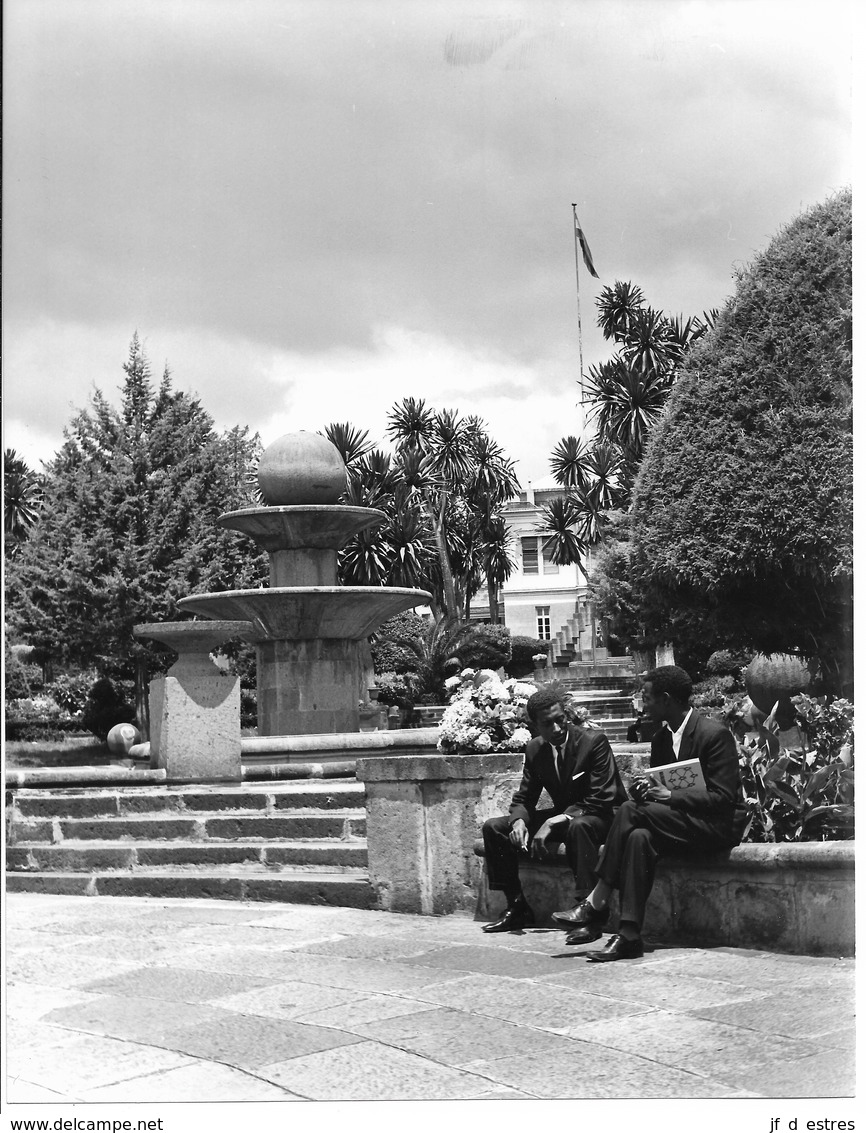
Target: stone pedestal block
[309,687]
[195,722]
[423,816]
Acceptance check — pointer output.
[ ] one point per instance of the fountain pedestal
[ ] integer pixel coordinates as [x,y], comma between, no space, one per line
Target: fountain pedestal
[195,708]
[309,632]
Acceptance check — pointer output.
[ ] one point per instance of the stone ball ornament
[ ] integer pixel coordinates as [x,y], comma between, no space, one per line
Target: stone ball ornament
[122,737]
[301,468]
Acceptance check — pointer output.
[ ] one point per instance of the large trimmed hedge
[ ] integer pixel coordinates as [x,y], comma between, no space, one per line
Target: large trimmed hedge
[742,511]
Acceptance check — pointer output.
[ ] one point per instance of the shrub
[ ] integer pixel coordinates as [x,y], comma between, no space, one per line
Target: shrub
[715,691]
[71,690]
[38,717]
[107,704]
[400,689]
[742,512]
[22,678]
[523,652]
[390,645]
[485,647]
[726,662]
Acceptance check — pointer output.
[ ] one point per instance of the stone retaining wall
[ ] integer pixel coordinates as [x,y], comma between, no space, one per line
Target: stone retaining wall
[424,817]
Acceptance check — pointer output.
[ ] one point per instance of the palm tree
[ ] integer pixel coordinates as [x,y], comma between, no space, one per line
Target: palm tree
[351,443]
[452,464]
[626,400]
[626,395]
[618,308]
[562,519]
[22,499]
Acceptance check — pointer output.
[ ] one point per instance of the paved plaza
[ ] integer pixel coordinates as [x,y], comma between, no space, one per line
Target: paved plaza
[147,1000]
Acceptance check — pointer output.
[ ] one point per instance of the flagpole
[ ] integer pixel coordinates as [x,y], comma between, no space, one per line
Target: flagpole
[579,327]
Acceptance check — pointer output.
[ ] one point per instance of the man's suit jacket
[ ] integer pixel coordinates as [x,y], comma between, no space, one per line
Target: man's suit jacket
[720,804]
[590,781]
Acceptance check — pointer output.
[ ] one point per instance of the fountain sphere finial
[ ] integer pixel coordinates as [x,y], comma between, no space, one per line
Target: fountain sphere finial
[301,468]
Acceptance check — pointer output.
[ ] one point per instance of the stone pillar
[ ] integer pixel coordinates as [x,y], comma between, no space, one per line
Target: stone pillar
[195,728]
[423,816]
[195,722]
[308,687]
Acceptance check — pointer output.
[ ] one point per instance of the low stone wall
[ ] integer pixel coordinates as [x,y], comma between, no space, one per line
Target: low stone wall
[783,897]
[424,817]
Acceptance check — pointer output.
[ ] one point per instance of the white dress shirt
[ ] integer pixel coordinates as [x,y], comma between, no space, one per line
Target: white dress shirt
[677,736]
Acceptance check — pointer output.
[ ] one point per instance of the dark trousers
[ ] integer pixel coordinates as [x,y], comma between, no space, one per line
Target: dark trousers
[582,837]
[639,836]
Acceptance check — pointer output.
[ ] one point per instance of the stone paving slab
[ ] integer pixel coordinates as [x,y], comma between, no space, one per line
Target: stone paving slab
[596,1072]
[301,1002]
[192,1083]
[176,985]
[288,1000]
[132,1017]
[69,1063]
[248,1042]
[501,961]
[370,1071]
[805,1014]
[29,1001]
[459,1038]
[527,1002]
[354,1016]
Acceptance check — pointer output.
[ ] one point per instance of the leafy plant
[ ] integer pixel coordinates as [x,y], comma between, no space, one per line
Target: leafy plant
[798,784]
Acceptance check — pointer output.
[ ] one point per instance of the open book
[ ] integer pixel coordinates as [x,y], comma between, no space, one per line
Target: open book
[676,776]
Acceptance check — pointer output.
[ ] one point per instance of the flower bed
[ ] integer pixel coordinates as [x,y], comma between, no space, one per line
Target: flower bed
[488,714]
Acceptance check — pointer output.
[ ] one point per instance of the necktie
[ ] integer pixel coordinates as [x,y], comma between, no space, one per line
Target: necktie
[557,762]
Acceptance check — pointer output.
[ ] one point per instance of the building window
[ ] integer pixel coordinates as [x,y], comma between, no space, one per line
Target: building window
[529,551]
[542,621]
[550,566]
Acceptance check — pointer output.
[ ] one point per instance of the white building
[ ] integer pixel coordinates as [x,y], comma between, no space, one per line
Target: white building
[542,599]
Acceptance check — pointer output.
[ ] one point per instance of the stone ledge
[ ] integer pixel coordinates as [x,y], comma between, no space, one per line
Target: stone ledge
[795,897]
[436,768]
[749,857]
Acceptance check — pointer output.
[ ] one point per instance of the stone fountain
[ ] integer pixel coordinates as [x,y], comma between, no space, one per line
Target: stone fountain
[310,634]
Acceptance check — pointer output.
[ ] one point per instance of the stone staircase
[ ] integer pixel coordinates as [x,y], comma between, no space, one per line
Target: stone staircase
[604,687]
[302,841]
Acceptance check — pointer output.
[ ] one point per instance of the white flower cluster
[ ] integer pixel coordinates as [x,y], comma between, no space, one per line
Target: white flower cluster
[485,713]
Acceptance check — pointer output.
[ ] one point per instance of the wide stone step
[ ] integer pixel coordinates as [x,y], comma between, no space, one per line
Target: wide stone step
[192,827]
[80,857]
[231,883]
[130,801]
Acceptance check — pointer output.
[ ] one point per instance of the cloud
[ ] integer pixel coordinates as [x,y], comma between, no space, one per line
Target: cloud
[378,194]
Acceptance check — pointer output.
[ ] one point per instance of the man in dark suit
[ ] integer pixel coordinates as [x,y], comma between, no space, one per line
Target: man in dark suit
[656,821]
[576,768]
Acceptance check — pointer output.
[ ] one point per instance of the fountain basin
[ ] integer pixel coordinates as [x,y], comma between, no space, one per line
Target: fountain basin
[304,613]
[194,637]
[324,527]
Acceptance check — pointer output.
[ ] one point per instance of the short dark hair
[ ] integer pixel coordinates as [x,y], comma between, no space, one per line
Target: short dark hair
[672,680]
[544,698]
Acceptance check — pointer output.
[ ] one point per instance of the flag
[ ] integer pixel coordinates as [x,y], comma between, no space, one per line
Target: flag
[584,247]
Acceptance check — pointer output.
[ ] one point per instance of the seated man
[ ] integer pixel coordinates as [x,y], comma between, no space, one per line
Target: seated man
[658,822]
[576,768]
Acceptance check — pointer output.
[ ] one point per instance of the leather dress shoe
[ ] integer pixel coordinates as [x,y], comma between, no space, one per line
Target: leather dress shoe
[582,914]
[617,948]
[516,916]
[583,934]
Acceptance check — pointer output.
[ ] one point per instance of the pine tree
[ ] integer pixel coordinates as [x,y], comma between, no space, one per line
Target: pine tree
[129,527]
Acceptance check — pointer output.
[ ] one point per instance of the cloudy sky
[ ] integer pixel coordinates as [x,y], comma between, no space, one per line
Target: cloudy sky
[312,208]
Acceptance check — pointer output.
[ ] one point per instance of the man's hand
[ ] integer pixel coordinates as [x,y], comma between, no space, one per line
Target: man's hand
[648,791]
[537,849]
[519,835]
